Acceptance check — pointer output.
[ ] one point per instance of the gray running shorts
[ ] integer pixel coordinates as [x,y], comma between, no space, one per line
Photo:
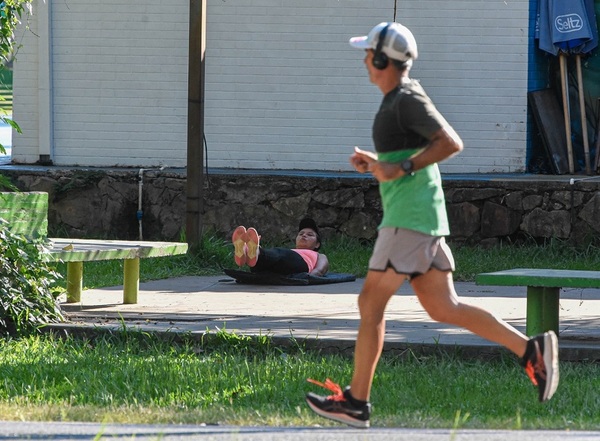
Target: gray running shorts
[410,252]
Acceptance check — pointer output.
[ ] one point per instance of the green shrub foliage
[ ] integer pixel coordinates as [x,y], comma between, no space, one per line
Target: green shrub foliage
[27,300]
[11,12]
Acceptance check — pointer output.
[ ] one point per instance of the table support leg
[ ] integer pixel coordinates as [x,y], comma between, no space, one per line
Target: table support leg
[74,281]
[542,309]
[131,280]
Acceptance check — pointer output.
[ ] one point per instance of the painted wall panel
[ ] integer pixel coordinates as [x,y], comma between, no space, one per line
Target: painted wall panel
[284,90]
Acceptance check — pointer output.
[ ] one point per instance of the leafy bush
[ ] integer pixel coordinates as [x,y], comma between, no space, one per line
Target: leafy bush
[26,298]
[11,12]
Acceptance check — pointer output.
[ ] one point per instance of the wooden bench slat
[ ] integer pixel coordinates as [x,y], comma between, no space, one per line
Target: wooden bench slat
[541,277]
[543,291]
[27,214]
[85,250]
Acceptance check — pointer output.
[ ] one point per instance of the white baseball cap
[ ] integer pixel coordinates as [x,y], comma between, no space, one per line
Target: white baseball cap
[398,43]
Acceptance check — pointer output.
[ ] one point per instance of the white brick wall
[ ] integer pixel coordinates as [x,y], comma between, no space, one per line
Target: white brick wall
[119,83]
[284,90]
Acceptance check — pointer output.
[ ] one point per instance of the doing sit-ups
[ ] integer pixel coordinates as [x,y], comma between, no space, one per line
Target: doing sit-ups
[305,258]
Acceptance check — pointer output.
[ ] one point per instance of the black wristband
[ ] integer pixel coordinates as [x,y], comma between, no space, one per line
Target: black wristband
[408,167]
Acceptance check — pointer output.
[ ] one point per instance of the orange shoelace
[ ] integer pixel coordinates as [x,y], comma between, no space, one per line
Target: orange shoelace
[338,394]
[531,368]
[530,371]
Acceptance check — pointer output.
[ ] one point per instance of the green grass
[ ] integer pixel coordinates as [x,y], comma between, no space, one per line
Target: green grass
[552,255]
[133,378]
[229,379]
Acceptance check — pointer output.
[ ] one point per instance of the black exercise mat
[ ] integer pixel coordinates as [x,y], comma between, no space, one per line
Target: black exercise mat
[266,278]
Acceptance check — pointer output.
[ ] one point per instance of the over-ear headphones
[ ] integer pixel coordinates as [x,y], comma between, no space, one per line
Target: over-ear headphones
[380,59]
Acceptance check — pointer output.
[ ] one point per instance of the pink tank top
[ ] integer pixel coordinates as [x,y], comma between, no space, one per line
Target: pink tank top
[309,256]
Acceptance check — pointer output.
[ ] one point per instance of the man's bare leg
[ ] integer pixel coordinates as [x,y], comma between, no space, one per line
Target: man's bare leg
[435,290]
[377,290]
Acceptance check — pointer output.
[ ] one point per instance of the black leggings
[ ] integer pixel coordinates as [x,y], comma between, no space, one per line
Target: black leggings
[280,261]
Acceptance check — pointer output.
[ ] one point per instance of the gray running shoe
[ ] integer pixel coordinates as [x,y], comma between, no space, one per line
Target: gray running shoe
[541,363]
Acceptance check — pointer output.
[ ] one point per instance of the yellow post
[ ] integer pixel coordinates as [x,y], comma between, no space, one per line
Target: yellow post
[74,281]
[131,280]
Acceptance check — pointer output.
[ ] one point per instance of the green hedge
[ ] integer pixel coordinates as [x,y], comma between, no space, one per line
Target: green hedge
[27,300]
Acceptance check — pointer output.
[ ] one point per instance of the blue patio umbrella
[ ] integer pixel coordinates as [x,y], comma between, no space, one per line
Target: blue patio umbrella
[566,27]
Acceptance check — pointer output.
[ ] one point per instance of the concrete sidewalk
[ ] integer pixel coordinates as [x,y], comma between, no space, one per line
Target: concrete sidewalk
[324,316]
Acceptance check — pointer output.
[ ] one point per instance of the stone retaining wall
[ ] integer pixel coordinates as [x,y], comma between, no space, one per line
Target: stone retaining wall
[104,203]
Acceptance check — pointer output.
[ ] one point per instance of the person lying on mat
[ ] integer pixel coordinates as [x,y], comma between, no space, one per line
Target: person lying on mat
[305,258]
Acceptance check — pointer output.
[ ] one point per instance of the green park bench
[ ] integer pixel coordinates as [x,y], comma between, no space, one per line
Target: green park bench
[27,214]
[543,291]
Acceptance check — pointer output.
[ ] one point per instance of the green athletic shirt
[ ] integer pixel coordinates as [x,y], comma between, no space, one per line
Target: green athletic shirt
[405,122]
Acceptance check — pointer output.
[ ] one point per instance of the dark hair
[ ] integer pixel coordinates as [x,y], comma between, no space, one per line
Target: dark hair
[310,223]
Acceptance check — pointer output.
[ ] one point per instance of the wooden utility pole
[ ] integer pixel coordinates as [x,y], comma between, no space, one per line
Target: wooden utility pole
[195,141]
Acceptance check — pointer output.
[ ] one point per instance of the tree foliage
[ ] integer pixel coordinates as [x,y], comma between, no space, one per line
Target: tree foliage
[11,12]
[27,299]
